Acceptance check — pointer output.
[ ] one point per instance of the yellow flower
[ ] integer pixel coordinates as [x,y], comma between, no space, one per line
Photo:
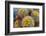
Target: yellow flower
[16,23]
[35,13]
[22,11]
[27,21]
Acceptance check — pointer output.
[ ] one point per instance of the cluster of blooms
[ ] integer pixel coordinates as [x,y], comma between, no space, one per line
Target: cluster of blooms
[24,19]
